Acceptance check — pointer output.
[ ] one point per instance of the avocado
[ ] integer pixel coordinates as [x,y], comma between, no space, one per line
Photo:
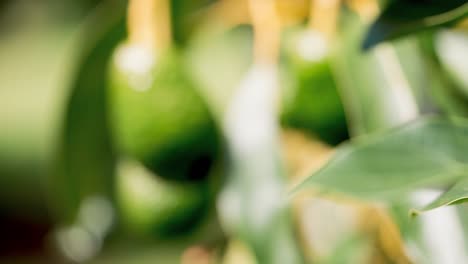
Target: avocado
[314,105]
[158,116]
[151,206]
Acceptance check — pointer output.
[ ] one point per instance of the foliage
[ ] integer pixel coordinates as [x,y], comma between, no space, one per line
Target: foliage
[85,159]
[403,17]
[426,153]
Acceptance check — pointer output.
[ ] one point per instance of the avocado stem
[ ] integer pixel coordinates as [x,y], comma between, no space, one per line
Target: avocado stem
[367,10]
[266,25]
[228,13]
[149,24]
[324,16]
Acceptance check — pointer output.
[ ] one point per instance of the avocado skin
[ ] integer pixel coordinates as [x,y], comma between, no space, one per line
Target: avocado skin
[315,106]
[150,206]
[168,127]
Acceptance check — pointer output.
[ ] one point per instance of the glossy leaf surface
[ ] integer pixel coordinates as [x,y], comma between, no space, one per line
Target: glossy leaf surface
[425,153]
[404,17]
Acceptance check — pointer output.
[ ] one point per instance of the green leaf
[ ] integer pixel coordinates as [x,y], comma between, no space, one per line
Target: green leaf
[404,17]
[84,159]
[452,50]
[424,153]
[456,194]
[373,98]
[443,93]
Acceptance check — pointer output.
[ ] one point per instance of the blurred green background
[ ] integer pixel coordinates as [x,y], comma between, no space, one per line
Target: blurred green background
[85,181]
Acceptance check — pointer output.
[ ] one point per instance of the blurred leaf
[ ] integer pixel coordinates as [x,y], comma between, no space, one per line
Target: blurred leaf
[30,108]
[387,166]
[85,159]
[72,9]
[452,50]
[458,193]
[444,93]
[185,16]
[381,88]
[404,17]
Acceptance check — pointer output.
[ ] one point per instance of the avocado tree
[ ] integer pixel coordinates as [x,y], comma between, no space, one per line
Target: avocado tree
[180,110]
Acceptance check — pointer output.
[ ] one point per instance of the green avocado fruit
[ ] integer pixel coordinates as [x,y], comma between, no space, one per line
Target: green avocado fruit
[158,116]
[152,206]
[313,103]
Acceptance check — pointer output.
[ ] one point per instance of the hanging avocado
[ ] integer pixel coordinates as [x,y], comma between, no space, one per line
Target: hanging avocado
[153,206]
[157,114]
[159,118]
[166,138]
[314,104]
